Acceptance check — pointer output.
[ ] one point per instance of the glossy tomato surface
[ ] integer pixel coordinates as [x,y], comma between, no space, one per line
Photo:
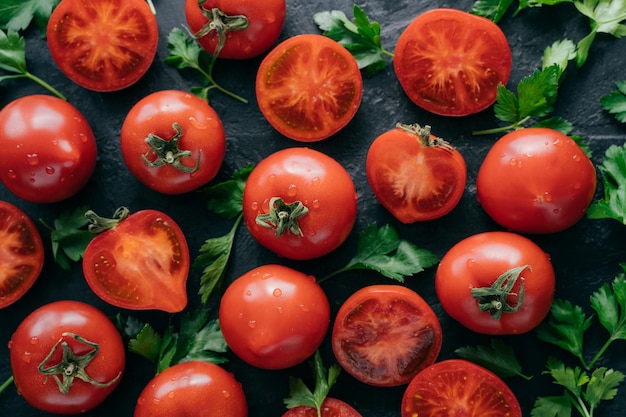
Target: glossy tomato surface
[248,27]
[142,263]
[274,317]
[53,349]
[103,45]
[476,263]
[173,142]
[299,203]
[21,253]
[385,334]
[331,407]
[48,149]
[415,175]
[309,87]
[536,180]
[194,388]
[459,387]
[450,62]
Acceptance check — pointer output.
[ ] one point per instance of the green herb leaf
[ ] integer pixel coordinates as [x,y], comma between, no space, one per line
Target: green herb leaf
[226,198]
[609,302]
[602,386]
[491,9]
[615,101]
[559,54]
[301,395]
[613,170]
[17,15]
[147,343]
[498,357]
[552,407]
[70,237]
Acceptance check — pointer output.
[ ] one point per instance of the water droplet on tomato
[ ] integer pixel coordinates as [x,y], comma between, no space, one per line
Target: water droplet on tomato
[292,190]
[171,394]
[254,205]
[304,307]
[197,124]
[248,293]
[316,203]
[32,159]
[34,340]
[50,170]
[547,196]
[252,324]
[156,400]
[556,210]
[576,158]
[471,262]
[11,174]
[226,394]
[316,181]
[558,143]
[277,292]
[271,178]
[280,309]
[26,357]
[266,276]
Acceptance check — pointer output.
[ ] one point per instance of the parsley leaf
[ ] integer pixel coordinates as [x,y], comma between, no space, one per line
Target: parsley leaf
[615,101]
[69,236]
[19,14]
[604,17]
[498,357]
[613,170]
[609,303]
[491,9]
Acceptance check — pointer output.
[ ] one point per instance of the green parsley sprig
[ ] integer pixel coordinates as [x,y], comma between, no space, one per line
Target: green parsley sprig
[69,236]
[18,15]
[615,101]
[613,170]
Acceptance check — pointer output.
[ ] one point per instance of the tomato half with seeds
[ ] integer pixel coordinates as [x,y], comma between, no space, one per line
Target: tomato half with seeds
[468,389]
[299,203]
[384,335]
[103,45]
[331,407]
[309,87]
[138,261]
[415,175]
[21,253]
[66,357]
[450,62]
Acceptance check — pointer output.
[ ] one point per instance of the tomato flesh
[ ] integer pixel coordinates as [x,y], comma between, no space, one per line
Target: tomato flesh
[331,407]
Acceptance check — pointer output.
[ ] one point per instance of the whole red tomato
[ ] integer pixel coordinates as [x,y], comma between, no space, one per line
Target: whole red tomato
[103,45]
[536,180]
[496,283]
[385,334]
[331,407]
[193,388]
[299,203]
[66,357]
[451,62]
[21,253]
[415,175]
[274,317]
[48,149]
[173,142]
[238,29]
[138,261]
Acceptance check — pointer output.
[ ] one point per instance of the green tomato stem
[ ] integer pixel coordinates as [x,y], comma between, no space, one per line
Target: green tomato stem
[6,384]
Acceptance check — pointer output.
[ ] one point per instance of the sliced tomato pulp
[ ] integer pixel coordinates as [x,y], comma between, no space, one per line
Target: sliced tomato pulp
[103,45]
[450,62]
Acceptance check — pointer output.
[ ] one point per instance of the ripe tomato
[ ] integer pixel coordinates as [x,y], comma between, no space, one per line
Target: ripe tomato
[274,317]
[536,180]
[467,389]
[450,62]
[385,334]
[496,283]
[194,388]
[238,29]
[173,142]
[331,407]
[139,262]
[103,45]
[299,203]
[21,253]
[66,357]
[309,87]
[48,149]
[415,175]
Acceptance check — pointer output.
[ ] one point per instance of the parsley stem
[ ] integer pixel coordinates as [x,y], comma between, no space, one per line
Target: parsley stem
[599,353]
[6,384]
[209,76]
[38,81]
[152,8]
[512,126]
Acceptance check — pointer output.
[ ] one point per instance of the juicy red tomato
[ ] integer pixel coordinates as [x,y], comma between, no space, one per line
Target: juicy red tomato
[247,27]
[66,357]
[309,87]
[456,384]
[48,149]
[331,407]
[385,334]
[536,180]
[103,45]
[414,175]
[140,263]
[274,317]
[194,388]
[479,283]
[173,142]
[21,253]
[450,62]
[299,203]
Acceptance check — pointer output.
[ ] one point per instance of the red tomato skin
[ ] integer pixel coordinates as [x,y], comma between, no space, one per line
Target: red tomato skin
[331,407]
[476,262]
[445,75]
[192,389]
[309,87]
[202,134]
[536,181]
[126,35]
[412,181]
[21,254]
[265,24]
[140,264]
[385,334]
[35,337]
[274,317]
[320,183]
[49,150]
[468,389]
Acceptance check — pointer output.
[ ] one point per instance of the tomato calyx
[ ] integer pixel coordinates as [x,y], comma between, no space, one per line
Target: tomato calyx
[283,217]
[220,23]
[99,224]
[494,298]
[168,152]
[424,136]
[72,365]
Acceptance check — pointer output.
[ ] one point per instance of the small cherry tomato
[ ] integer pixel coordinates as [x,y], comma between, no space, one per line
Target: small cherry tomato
[385,334]
[331,407]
